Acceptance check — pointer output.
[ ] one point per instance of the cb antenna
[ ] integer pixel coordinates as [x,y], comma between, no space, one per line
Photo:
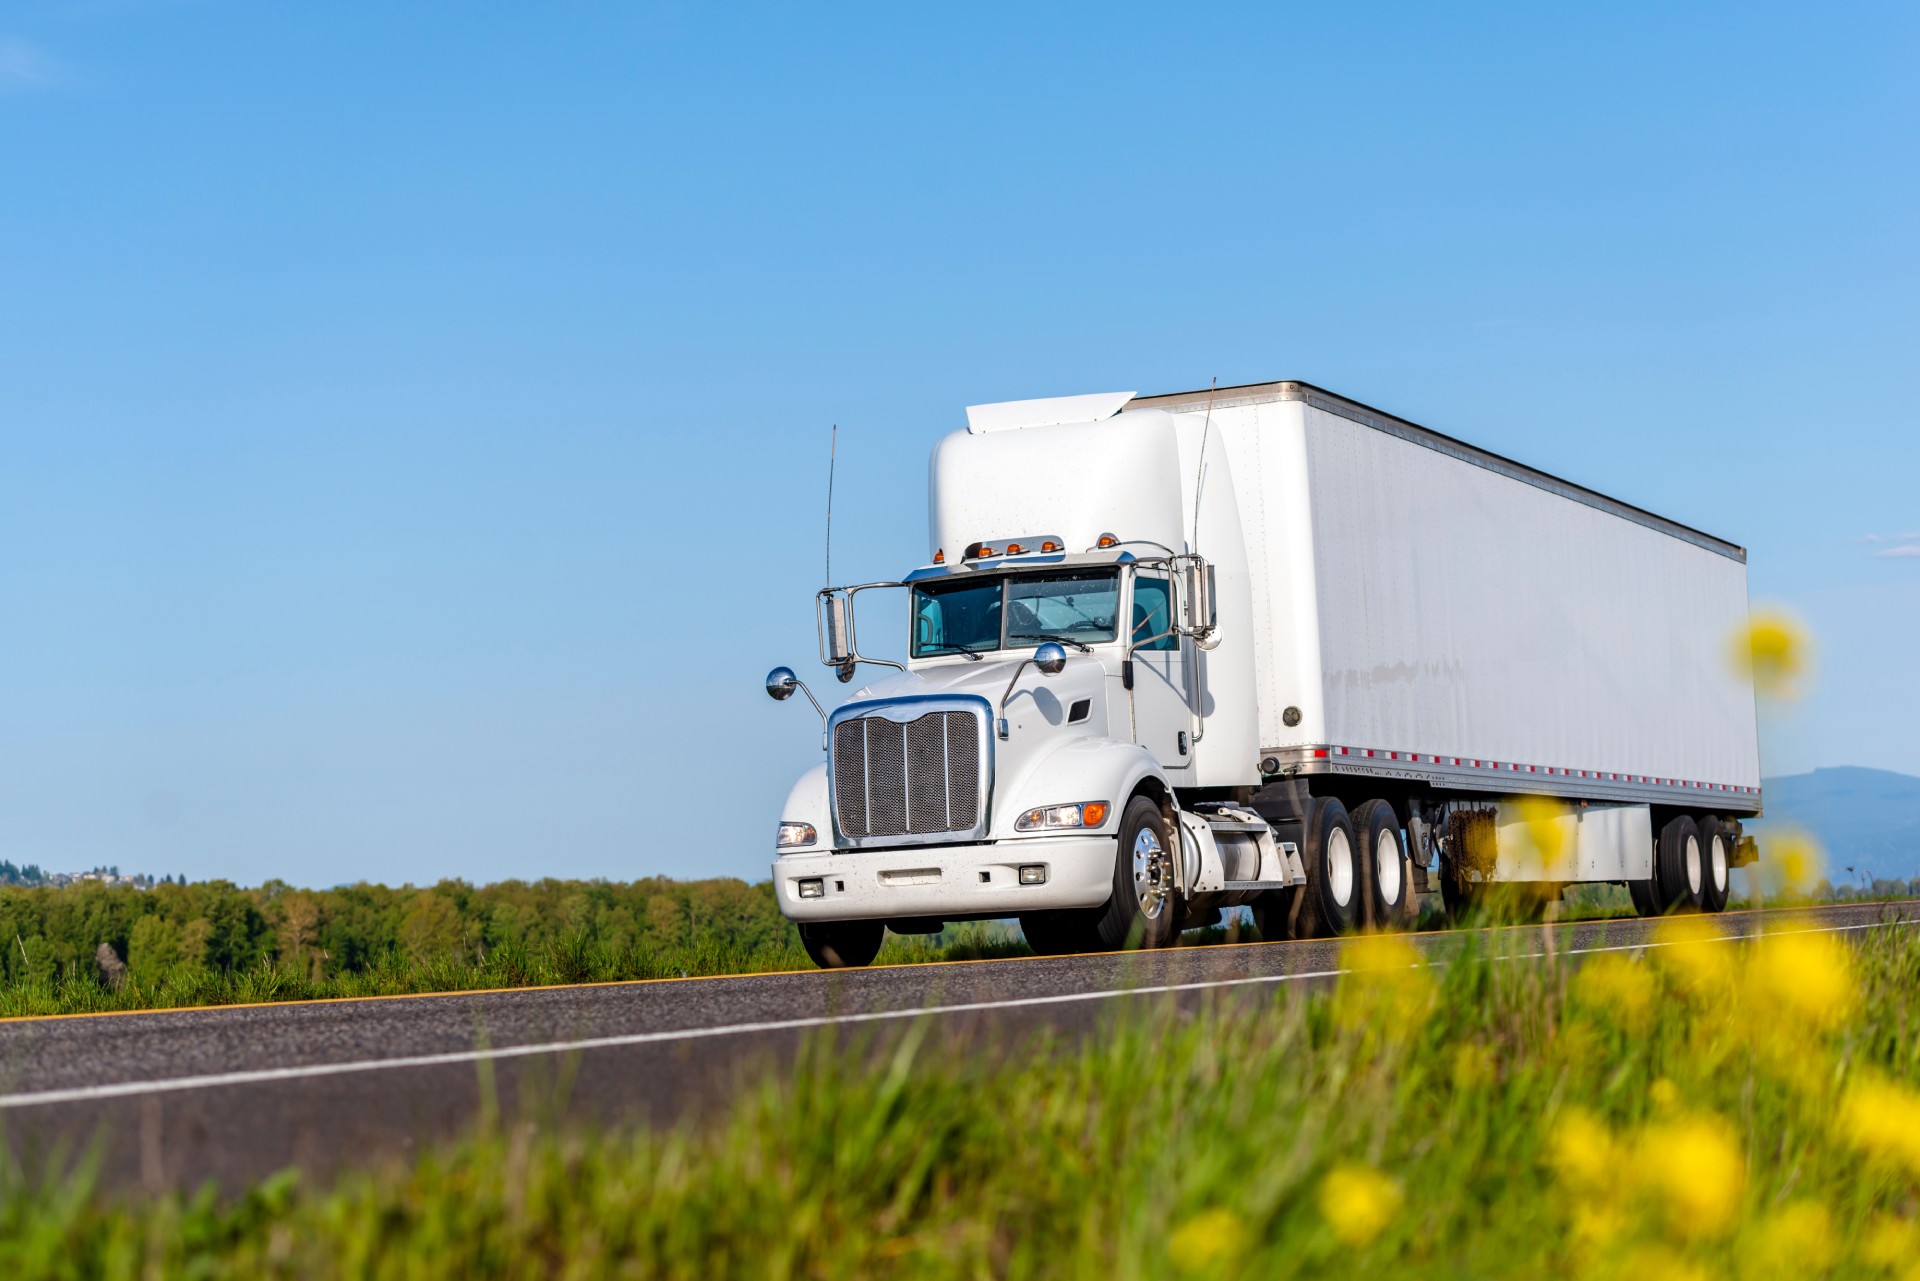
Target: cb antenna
[833,450]
[1200,476]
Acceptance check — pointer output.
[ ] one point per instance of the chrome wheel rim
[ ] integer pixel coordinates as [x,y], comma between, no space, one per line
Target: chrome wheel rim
[1386,858]
[1719,865]
[1693,864]
[1340,867]
[1152,872]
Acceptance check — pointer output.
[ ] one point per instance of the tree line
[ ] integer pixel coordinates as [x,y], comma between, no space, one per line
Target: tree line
[55,934]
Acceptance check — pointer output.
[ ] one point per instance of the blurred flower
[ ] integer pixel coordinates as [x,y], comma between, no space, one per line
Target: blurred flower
[1695,953]
[1889,1242]
[1882,1120]
[1796,1240]
[1389,990]
[1583,1152]
[1773,649]
[1805,977]
[1543,830]
[1618,986]
[1658,1263]
[1694,1165]
[1790,862]
[1358,1202]
[1208,1239]
[1665,1095]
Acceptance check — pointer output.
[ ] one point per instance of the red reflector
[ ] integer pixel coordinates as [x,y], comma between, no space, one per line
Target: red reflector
[1320,753]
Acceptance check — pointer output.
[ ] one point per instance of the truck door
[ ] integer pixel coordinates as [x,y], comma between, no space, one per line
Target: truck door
[1161,717]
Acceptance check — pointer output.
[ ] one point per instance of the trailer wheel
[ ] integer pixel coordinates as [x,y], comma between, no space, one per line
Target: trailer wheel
[1062,931]
[1680,877]
[1143,911]
[1716,858]
[843,945]
[1646,900]
[1383,860]
[1334,883]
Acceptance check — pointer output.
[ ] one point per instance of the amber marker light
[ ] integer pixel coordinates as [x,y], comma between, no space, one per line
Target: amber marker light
[1049,547]
[1014,549]
[940,557]
[1108,540]
[1093,813]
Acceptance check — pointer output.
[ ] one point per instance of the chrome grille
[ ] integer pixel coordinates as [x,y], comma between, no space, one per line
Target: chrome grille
[919,778]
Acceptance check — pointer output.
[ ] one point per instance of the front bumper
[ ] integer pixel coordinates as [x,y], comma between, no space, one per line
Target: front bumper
[946,881]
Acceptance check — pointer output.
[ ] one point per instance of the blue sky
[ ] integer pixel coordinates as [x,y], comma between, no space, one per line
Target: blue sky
[413,417]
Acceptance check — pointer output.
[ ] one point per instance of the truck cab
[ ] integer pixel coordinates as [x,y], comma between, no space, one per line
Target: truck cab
[1073,671]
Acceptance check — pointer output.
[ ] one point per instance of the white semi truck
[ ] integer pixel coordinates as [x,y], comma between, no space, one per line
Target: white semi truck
[1266,646]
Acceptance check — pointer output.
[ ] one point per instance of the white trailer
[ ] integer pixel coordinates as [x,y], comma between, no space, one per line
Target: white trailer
[1322,657]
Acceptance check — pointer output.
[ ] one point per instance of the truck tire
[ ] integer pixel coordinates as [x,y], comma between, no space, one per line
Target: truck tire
[1716,860]
[1384,865]
[1678,875]
[1143,910]
[1646,899]
[1332,893]
[843,945]
[1062,931]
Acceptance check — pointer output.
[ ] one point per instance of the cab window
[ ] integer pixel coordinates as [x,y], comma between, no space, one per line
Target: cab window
[1152,614]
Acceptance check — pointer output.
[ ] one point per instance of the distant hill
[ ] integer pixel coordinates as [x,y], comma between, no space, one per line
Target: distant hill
[1868,819]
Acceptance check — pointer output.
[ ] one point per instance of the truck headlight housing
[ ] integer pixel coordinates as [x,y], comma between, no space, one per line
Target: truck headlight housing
[795,836]
[1052,817]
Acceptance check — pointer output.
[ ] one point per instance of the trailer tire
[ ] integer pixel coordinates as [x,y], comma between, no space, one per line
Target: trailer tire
[1716,857]
[1385,867]
[1334,879]
[843,945]
[1062,931]
[1679,876]
[1646,899]
[1144,911]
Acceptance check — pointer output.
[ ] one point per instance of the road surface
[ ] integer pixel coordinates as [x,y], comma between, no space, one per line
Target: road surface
[233,1094]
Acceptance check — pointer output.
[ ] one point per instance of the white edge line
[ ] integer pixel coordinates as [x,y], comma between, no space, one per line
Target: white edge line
[258,1076]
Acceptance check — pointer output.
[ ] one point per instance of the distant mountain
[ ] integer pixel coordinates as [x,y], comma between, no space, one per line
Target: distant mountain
[1868,819]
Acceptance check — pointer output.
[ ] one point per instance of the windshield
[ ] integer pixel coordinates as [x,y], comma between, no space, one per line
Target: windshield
[970,614]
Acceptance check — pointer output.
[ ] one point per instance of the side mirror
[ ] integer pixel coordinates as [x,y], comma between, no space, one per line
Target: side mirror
[1050,658]
[781,682]
[836,628]
[1201,613]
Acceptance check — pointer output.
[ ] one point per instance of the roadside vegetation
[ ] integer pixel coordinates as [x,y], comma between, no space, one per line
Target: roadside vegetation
[92,947]
[1699,1110]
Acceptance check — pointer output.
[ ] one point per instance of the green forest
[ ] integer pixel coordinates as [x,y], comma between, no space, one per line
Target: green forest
[214,941]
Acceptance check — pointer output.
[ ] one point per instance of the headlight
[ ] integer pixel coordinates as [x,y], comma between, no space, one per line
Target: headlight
[795,835]
[1083,814]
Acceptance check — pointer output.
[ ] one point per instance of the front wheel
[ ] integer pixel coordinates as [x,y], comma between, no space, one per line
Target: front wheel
[1143,909]
[842,945]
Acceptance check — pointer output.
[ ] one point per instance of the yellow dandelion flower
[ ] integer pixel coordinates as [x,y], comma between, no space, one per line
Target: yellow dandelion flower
[1695,953]
[1389,989]
[1791,862]
[1665,1095]
[1544,829]
[1617,986]
[1208,1239]
[1583,1152]
[1808,978]
[1695,1168]
[1658,1263]
[1882,1120]
[1358,1202]
[1774,650]
[1796,1240]
[1889,1242]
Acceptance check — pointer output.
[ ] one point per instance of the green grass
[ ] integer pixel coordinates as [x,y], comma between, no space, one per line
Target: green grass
[1711,1110]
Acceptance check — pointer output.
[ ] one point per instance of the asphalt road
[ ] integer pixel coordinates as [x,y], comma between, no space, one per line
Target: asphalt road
[174,1098]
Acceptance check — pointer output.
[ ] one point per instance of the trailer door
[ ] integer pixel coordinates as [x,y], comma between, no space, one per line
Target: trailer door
[1162,720]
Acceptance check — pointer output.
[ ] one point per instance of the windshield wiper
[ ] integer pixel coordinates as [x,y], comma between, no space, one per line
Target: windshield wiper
[949,649]
[1082,646]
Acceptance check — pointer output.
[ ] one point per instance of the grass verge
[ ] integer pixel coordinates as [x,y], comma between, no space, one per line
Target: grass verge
[1705,1110]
